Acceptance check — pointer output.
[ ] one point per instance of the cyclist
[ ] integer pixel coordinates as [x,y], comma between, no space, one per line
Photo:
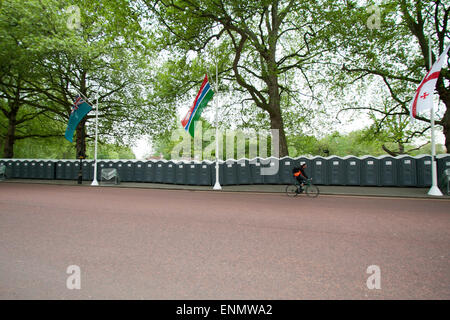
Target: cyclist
[300,175]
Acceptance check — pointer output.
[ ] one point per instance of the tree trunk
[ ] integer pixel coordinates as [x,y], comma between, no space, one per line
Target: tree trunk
[276,122]
[10,139]
[8,151]
[81,139]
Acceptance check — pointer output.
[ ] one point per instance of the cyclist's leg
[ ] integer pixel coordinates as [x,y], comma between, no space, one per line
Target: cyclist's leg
[301,182]
[298,184]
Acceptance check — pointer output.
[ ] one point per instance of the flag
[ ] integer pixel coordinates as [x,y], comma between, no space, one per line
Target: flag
[423,99]
[201,100]
[80,108]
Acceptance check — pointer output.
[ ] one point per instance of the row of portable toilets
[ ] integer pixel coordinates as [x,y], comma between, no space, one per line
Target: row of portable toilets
[404,171]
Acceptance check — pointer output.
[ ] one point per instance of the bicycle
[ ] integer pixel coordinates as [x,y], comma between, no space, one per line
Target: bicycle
[293,190]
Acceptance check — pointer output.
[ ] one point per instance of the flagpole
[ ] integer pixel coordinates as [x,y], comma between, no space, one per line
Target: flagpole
[95,182]
[217,184]
[434,190]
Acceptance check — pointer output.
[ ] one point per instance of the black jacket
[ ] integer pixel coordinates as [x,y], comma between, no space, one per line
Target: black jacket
[302,172]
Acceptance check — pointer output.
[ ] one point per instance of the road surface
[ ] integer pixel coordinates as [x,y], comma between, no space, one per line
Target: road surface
[166,244]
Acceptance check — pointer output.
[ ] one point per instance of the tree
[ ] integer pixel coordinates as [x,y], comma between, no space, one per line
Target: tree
[391,50]
[261,42]
[90,47]
[19,27]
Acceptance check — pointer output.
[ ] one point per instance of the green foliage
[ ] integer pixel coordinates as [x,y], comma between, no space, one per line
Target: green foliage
[357,143]
[390,57]
[282,64]
[265,51]
[50,49]
[60,148]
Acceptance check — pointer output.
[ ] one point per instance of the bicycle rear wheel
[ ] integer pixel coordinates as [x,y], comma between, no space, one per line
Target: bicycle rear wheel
[312,191]
[292,190]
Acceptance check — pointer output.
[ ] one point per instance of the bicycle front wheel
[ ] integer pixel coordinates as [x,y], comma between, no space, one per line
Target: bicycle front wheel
[312,191]
[292,190]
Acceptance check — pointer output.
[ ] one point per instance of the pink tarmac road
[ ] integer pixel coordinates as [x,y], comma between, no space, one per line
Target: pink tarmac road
[166,244]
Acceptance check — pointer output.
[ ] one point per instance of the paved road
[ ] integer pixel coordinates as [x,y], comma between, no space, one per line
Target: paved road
[165,244]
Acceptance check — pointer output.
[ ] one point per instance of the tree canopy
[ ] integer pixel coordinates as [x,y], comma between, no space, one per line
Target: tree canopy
[289,65]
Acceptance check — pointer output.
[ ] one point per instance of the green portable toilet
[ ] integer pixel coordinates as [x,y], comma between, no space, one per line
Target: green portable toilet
[114,164]
[11,167]
[160,171]
[59,170]
[100,165]
[353,171]
[407,171]
[286,166]
[23,172]
[255,170]
[88,170]
[319,170]
[443,163]
[170,175]
[129,169]
[183,169]
[75,164]
[67,170]
[270,170]
[139,171]
[243,172]
[388,171]
[40,169]
[205,178]
[229,173]
[17,171]
[70,172]
[423,164]
[192,173]
[77,169]
[149,171]
[25,169]
[33,169]
[9,164]
[50,169]
[337,171]
[370,171]
[125,168]
[121,168]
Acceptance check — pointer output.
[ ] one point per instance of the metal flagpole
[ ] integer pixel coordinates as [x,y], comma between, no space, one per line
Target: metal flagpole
[217,184]
[95,182]
[434,190]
